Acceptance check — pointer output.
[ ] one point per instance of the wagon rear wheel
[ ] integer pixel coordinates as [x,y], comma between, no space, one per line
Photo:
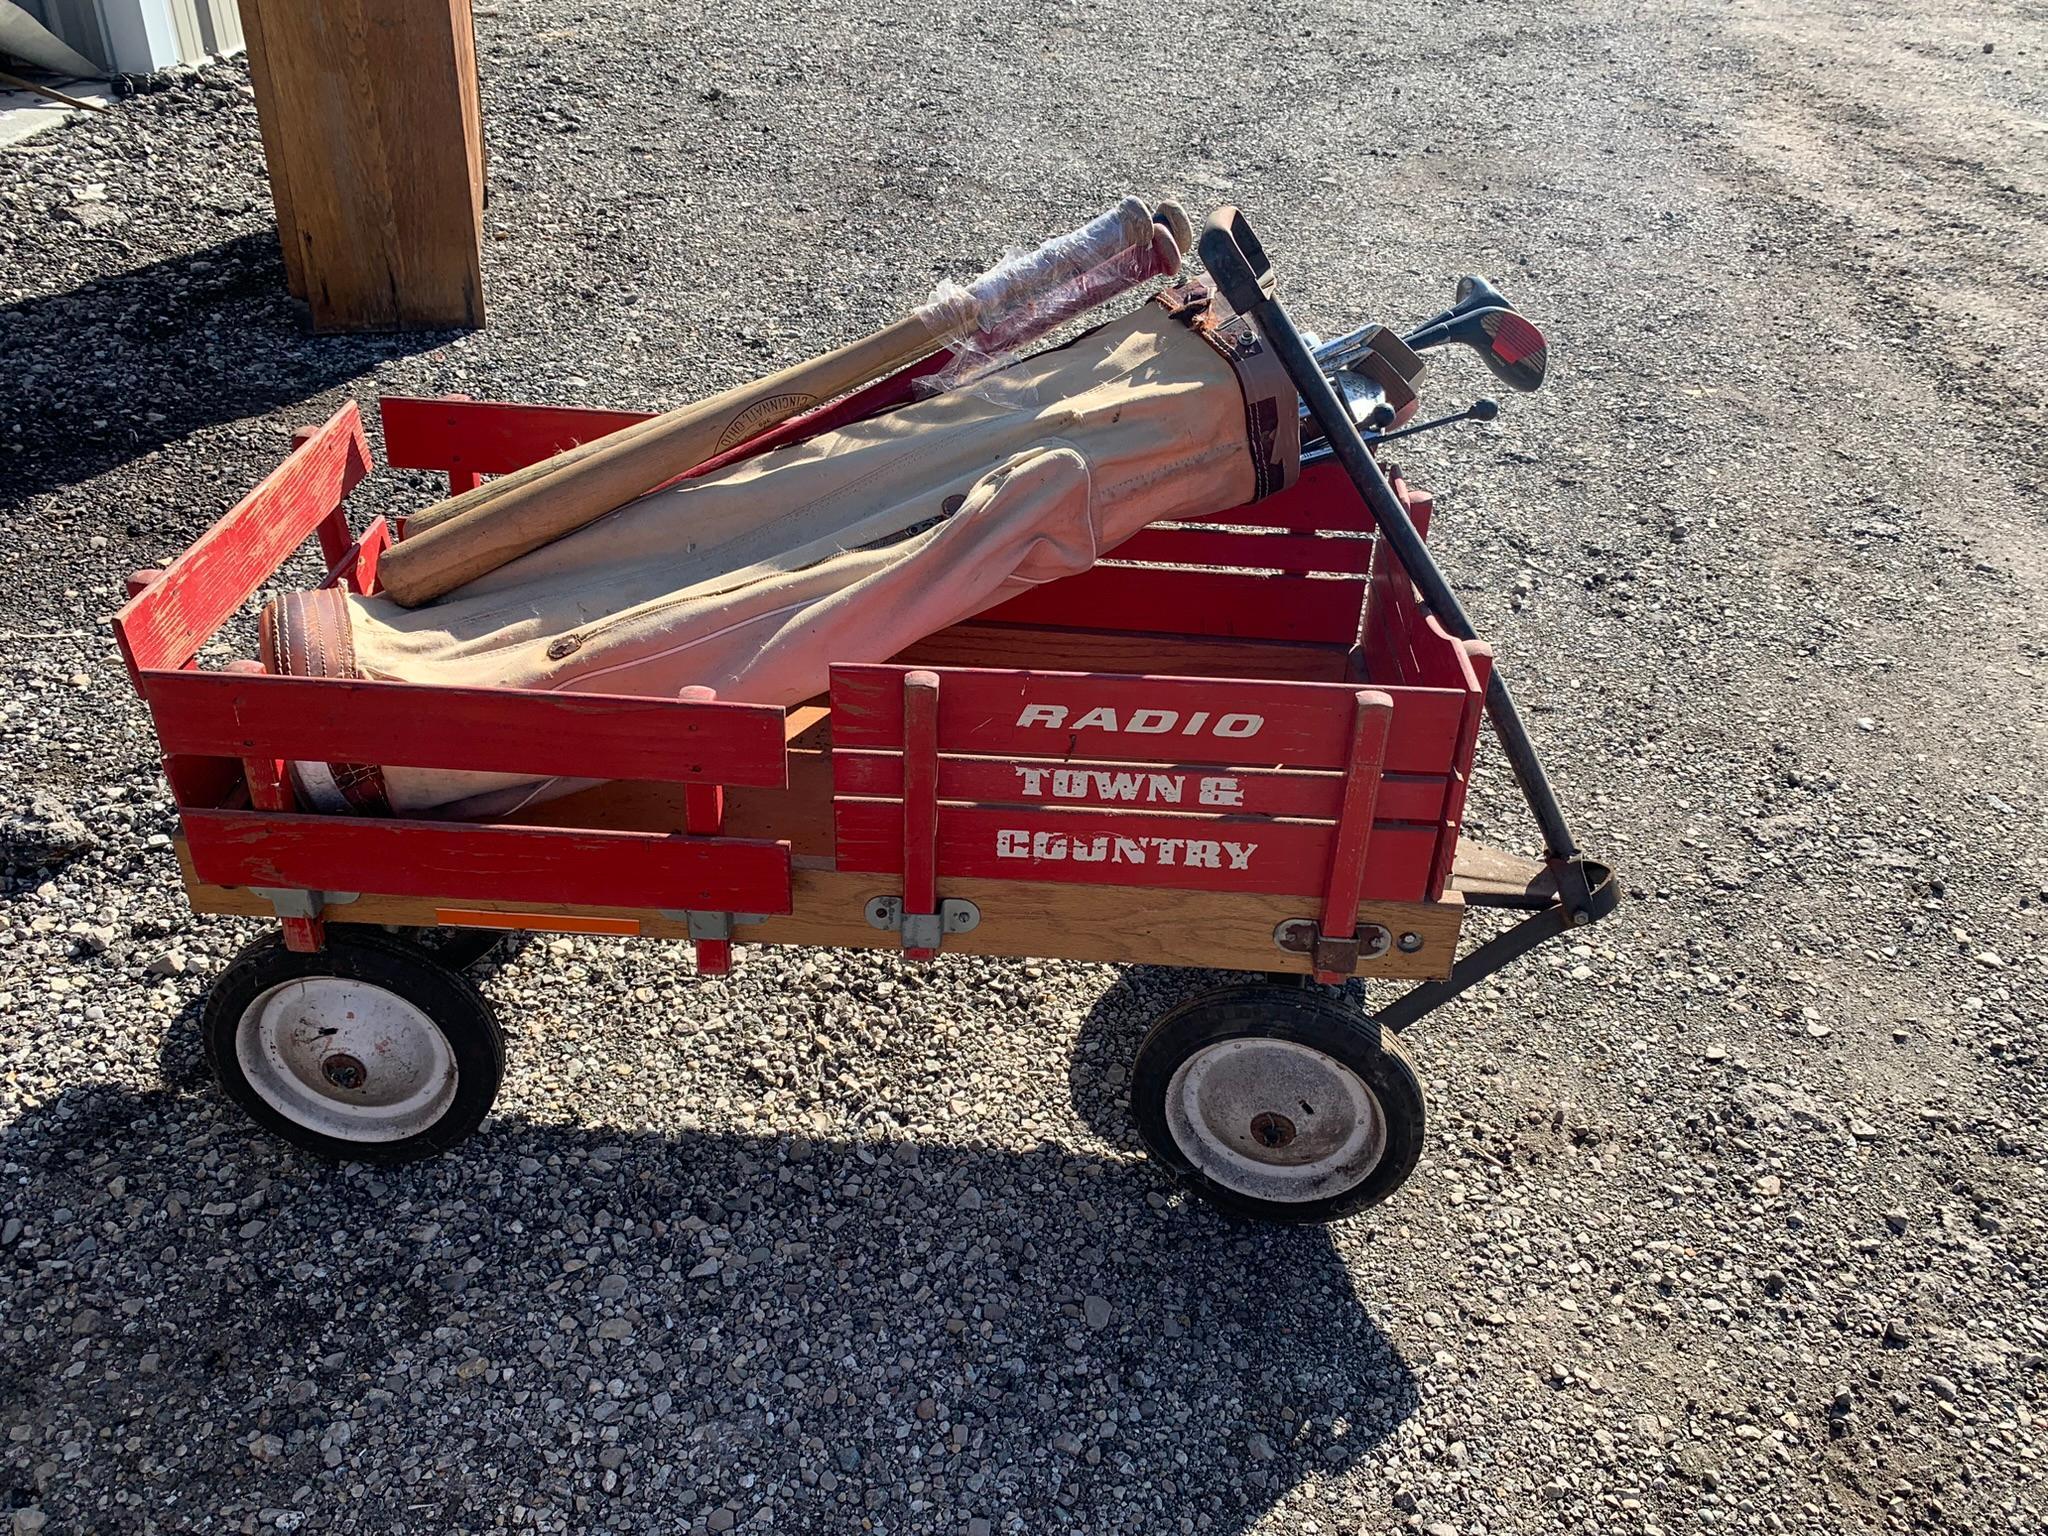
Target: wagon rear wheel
[367,1050]
[1278,1103]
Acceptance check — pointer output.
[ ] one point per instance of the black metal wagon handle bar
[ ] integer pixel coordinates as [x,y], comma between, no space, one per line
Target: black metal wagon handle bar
[1239,266]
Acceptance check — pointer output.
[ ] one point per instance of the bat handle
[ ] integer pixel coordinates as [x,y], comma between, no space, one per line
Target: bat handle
[1021,281]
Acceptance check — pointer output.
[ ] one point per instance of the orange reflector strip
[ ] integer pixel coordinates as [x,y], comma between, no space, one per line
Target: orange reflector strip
[535,922]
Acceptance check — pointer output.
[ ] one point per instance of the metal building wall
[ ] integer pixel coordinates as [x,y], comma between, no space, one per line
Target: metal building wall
[139,36]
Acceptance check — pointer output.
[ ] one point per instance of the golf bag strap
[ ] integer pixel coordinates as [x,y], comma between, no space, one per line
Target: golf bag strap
[1272,411]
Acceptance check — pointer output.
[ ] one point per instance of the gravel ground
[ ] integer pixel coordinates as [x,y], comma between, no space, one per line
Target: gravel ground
[1730,1219]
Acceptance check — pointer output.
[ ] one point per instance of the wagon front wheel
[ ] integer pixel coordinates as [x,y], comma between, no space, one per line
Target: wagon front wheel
[1278,1103]
[367,1050]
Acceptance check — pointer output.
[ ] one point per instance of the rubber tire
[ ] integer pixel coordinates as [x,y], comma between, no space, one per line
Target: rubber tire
[460,949]
[1306,1017]
[445,995]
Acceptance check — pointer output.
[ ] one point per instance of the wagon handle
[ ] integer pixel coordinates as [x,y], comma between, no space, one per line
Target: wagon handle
[1239,265]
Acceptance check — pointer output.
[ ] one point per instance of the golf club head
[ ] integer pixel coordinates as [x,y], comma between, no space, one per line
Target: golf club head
[1512,348]
[1474,292]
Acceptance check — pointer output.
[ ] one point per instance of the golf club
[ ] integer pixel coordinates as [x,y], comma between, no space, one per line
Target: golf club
[1478,410]
[1510,346]
[1473,292]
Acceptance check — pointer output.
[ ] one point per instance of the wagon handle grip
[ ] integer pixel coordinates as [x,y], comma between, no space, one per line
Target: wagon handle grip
[1236,260]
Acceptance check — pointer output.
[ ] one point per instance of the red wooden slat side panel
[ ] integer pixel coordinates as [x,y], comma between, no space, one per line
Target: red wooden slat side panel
[487,437]
[1355,825]
[1084,715]
[1176,787]
[1479,657]
[1290,552]
[1193,603]
[1389,657]
[1323,498]
[920,797]
[462,862]
[165,624]
[1279,858]
[1402,644]
[498,730]
[357,567]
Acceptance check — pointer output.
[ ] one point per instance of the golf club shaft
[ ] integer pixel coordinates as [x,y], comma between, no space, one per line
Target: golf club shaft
[1250,294]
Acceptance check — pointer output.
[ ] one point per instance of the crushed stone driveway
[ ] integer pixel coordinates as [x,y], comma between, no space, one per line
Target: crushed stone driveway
[1730,1218]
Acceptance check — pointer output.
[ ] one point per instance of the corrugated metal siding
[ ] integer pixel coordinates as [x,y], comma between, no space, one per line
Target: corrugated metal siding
[194,29]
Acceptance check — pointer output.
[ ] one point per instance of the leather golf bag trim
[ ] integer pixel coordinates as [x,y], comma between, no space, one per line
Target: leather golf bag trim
[845,547]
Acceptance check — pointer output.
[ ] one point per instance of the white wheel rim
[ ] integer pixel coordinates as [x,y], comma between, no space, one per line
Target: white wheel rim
[346,1058]
[1275,1120]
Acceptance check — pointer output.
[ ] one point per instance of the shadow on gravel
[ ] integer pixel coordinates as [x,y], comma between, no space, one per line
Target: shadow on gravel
[124,365]
[199,1325]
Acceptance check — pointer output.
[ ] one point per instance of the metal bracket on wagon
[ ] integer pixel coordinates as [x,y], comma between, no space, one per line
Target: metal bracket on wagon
[712,925]
[923,930]
[1339,956]
[293,901]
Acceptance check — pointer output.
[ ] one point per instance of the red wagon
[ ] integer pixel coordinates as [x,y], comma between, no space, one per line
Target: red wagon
[1241,744]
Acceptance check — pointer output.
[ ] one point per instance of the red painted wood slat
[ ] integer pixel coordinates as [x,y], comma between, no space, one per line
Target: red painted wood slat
[1323,498]
[166,624]
[995,713]
[1479,657]
[1281,858]
[1194,603]
[500,730]
[487,437]
[704,816]
[1355,830]
[455,861]
[1289,552]
[357,567]
[270,789]
[1298,796]
[920,800]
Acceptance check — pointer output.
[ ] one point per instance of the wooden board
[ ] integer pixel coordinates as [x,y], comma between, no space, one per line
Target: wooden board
[1323,499]
[497,730]
[1146,719]
[1296,553]
[1159,787]
[164,625]
[1215,853]
[277,152]
[799,814]
[1108,924]
[1496,876]
[484,437]
[1064,649]
[374,137]
[1221,603]
[464,863]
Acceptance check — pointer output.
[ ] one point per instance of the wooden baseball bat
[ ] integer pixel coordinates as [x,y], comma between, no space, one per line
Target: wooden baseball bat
[476,533]
[1084,292]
